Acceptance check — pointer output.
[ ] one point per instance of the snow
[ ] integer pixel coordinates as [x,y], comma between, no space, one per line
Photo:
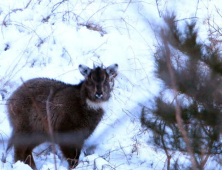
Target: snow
[50,39]
[20,165]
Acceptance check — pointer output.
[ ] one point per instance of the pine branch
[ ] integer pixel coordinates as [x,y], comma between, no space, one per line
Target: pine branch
[177,108]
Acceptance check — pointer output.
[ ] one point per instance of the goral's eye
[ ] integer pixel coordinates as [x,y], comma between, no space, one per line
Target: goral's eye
[90,83]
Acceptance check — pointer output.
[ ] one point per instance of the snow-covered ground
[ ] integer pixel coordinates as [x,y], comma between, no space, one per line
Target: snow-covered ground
[50,38]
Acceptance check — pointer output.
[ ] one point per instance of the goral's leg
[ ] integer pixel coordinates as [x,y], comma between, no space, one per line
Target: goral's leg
[71,153]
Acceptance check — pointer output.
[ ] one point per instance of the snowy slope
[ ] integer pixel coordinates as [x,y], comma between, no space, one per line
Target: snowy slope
[44,38]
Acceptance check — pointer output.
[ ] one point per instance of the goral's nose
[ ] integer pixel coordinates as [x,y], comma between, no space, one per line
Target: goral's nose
[99,95]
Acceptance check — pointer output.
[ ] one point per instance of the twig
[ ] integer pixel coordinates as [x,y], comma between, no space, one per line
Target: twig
[124,153]
[185,19]
[158,8]
[57,5]
[165,149]
[127,5]
[136,31]
[50,126]
[28,4]
[196,8]
[98,11]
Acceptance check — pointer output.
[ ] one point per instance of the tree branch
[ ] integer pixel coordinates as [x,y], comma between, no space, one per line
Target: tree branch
[177,108]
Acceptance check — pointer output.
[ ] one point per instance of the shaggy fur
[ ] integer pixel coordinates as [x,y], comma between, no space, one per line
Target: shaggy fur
[75,111]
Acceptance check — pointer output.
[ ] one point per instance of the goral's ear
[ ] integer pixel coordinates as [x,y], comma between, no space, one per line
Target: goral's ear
[112,70]
[84,70]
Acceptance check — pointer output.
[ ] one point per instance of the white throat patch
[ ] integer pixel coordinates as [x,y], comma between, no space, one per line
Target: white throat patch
[95,105]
